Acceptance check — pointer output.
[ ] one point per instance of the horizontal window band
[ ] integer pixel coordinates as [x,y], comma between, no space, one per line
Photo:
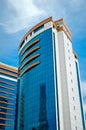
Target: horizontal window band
[9,74]
[9,68]
[2,69]
[6,97]
[6,108]
[7,83]
[6,119]
[30,52]
[31,44]
[34,28]
[30,67]
[4,113]
[1,124]
[6,103]
[9,78]
[6,88]
[7,93]
[30,59]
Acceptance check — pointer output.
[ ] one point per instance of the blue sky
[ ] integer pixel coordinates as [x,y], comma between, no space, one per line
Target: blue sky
[18,16]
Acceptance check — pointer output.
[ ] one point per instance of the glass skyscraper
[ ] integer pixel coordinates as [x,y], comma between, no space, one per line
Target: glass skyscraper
[49,98]
[8,94]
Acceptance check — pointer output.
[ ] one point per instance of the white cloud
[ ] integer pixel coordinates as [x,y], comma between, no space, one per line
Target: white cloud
[23,14]
[20,14]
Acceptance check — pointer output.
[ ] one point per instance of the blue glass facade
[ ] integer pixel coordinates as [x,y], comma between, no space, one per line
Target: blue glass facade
[36,109]
[8,91]
[80,96]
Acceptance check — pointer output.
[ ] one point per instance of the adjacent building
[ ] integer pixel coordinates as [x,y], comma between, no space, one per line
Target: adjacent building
[8,94]
[49,82]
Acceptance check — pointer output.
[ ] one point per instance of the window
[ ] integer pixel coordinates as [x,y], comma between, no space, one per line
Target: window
[68,50]
[74,107]
[72,89]
[73,98]
[70,65]
[67,44]
[30,34]
[76,128]
[75,117]
[71,81]
[70,73]
[39,28]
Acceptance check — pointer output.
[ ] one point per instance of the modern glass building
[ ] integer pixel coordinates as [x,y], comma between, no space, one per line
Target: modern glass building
[8,92]
[49,96]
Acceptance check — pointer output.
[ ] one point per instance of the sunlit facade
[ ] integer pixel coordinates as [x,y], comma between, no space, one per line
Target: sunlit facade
[49,91]
[8,94]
